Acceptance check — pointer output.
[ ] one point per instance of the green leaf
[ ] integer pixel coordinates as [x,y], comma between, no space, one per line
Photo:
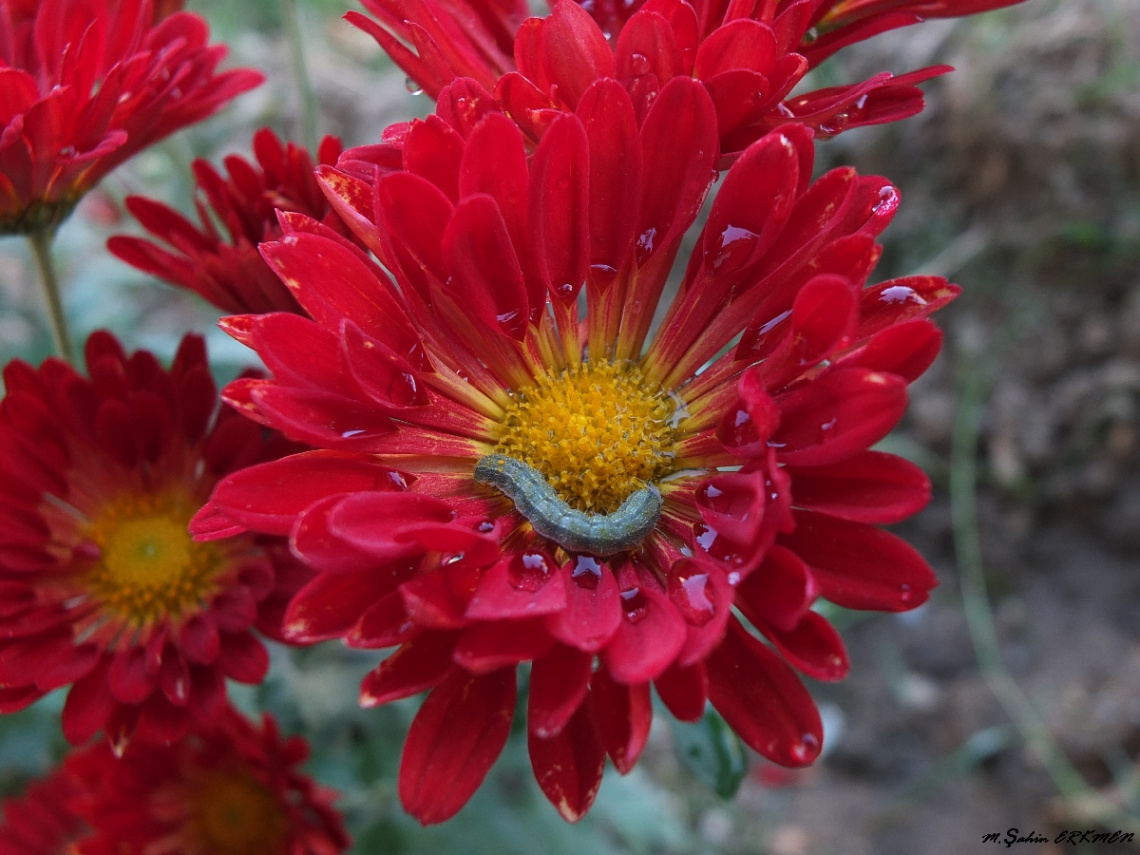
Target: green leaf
[713,752]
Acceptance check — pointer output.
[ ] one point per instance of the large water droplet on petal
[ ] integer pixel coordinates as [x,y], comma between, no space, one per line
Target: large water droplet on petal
[587,572]
[529,571]
[690,592]
[634,604]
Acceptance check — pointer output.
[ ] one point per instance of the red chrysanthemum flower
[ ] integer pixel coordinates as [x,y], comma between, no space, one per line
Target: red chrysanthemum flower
[749,56]
[41,821]
[230,273]
[233,790]
[501,480]
[89,83]
[100,584]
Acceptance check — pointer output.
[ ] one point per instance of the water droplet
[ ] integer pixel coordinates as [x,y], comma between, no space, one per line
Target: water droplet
[806,749]
[717,545]
[734,578]
[587,572]
[639,64]
[67,151]
[738,431]
[529,571]
[888,200]
[901,294]
[397,480]
[690,593]
[770,325]
[834,124]
[485,526]
[413,87]
[905,593]
[634,604]
[810,37]
[348,434]
[645,243]
[735,243]
[452,559]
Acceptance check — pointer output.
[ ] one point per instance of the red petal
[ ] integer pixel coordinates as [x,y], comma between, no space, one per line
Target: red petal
[487,647]
[243,658]
[569,765]
[574,51]
[837,415]
[684,690]
[889,303]
[558,684]
[871,487]
[679,145]
[779,592]
[385,623]
[199,640]
[88,706]
[455,738]
[813,646]
[906,349]
[623,715]
[415,666]
[559,203]
[521,585]
[267,497]
[131,677]
[762,700]
[859,566]
[648,639]
[593,608]
[485,274]
[615,171]
[329,605]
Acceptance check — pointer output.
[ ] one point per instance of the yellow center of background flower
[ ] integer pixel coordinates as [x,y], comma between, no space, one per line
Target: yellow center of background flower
[149,567]
[237,815]
[598,431]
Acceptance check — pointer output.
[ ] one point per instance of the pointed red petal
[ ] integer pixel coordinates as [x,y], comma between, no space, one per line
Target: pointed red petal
[763,700]
[623,715]
[569,765]
[558,684]
[456,736]
[860,566]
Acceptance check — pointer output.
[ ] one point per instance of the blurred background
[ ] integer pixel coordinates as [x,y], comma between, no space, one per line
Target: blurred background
[1011,699]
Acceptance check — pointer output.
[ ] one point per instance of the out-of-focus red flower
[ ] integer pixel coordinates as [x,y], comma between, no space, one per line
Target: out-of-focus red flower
[228,271]
[478,346]
[750,56]
[41,821]
[101,586]
[232,790]
[87,84]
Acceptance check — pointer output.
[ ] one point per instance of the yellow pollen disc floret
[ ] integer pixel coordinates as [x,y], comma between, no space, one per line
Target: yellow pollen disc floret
[237,815]
[598,431]
[149,567]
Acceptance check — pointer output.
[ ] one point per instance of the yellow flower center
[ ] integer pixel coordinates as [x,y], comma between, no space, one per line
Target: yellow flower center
[149,567]
[237,815]
[598,431]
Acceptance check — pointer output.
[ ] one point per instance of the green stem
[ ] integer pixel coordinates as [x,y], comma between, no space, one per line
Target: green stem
[41,242]
[979,614]
[301,74]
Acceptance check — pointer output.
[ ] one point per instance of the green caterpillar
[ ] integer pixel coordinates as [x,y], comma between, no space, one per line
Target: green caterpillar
[573,530]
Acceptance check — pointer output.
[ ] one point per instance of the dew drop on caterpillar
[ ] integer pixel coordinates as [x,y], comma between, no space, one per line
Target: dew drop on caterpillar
[570,528]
